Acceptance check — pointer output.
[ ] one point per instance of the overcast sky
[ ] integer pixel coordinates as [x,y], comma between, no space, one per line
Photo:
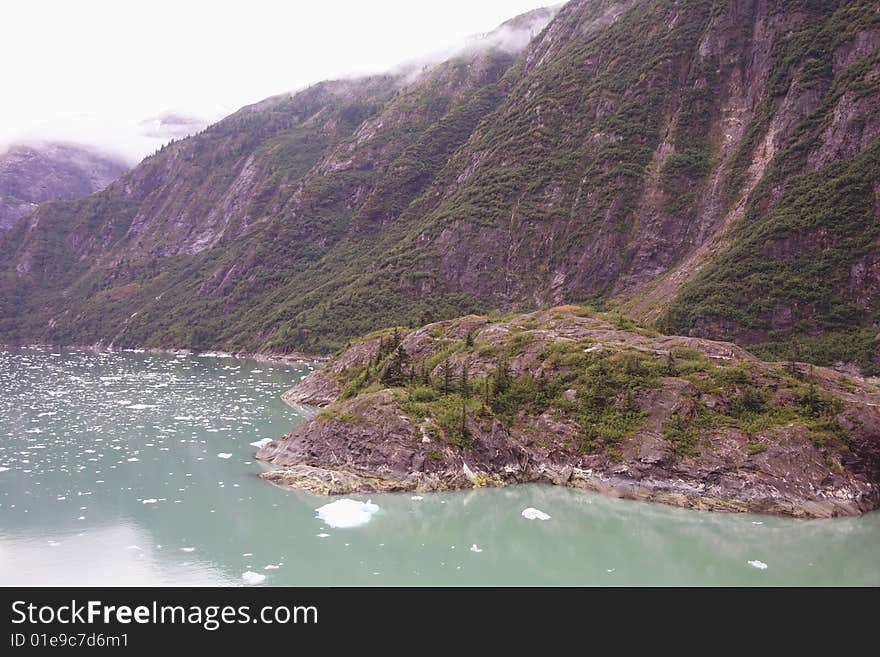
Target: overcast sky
[93,70]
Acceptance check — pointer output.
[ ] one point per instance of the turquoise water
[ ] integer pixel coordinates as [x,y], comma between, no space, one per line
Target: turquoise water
[132,468]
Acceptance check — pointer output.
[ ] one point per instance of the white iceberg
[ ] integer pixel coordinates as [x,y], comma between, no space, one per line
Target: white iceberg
[474,548]
[151,500]
[347,513]
[760,565]
[224,455]
[251,577]
[260,444]
[534,514]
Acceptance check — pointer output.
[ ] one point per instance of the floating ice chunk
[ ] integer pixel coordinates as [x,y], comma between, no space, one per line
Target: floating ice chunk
[760,565]
[224,455]
[248,554]
[271,566]
[134,458]
[54,543]
[151,500]
[260,444]
[474,548]
[140,407]
[188,549]
[534,514]
[3,469]
[323,535]
[251,577]
[757,522]
[134,547]
[417,497]
[347,513]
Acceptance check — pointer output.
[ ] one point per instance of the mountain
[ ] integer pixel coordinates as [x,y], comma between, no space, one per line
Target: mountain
[31,174]
[710,167]
[577,398]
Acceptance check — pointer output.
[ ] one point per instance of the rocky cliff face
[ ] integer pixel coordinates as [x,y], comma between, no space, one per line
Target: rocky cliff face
[35,173]
[572,398]
[709,166]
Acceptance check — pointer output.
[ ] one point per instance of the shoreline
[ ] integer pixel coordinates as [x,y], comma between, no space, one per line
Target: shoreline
[261,357]
[328,482]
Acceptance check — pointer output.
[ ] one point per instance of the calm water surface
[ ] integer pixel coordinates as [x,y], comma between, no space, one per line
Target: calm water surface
[130,468]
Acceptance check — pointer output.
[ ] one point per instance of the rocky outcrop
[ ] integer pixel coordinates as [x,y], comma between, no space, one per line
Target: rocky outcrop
[708,426]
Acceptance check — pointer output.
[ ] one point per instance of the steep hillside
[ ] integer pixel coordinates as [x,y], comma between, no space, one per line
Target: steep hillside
[581,399]
[34,173]
[710,166]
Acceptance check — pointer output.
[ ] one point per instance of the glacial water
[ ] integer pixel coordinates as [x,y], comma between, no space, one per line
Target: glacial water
[131,468]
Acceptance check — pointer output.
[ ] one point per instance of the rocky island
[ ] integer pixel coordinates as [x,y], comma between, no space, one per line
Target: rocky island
[589,400]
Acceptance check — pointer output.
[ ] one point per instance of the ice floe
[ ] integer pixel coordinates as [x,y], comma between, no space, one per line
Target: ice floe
[760,565]
[251,577]
[224,455]
[474,548]
[534,514]
[151,500]
[260,444]
[347,513]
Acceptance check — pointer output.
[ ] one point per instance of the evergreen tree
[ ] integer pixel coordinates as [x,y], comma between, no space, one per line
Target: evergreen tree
[446,374]
[793,356]
[630,405]
[502,377]
[464,389]
[395,369]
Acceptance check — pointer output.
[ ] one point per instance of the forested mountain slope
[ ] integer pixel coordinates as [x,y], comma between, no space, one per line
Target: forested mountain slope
[710,166]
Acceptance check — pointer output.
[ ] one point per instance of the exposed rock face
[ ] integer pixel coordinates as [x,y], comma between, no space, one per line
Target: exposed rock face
[712,427]
[34,173]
